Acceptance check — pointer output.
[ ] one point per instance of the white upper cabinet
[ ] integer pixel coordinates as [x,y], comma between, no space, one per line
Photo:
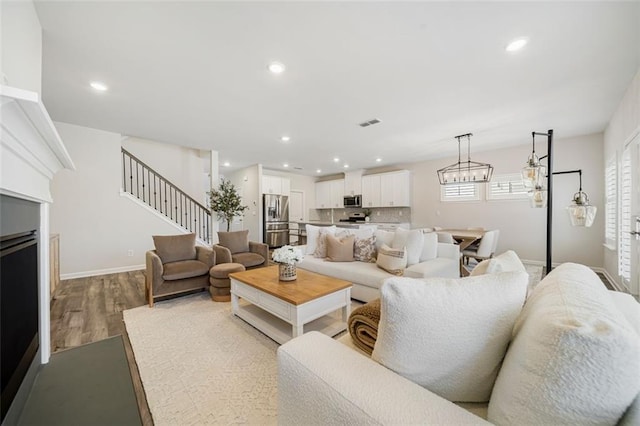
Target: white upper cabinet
[329,194]
[275,185]
[395,189]
[353,183]
[371,191]
[391,189]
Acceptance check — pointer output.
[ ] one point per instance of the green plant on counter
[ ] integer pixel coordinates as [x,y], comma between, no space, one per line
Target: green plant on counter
[226,202]
[367,212]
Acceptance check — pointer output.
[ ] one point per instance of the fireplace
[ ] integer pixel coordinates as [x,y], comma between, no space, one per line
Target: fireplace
[19,339]
[31,153]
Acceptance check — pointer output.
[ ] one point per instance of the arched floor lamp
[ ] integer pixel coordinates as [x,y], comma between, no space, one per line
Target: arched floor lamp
[535,177]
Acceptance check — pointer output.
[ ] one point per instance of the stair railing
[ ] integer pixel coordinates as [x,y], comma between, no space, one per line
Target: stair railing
[148,186]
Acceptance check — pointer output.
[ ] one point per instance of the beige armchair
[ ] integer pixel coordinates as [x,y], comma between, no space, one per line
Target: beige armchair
[235,247]
[177,266]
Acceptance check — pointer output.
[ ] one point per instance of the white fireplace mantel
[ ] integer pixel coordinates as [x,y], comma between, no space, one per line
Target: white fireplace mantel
[31,149]
[31,153]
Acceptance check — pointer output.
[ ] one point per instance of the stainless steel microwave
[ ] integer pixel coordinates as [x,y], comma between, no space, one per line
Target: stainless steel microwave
[353,201]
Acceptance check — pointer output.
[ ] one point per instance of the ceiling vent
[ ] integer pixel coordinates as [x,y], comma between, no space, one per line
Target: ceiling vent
[298,168]
[369,123]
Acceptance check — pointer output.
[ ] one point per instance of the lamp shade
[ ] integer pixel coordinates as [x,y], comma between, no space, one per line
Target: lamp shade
[533,175]
[581,213]
[538,198]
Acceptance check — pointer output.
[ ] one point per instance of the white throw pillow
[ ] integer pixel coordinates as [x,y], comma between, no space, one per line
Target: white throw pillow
[383,237]
[429,247]
[507,261]
[312,236]
[573,359]
[392,260]
[449,335]
[360,234]
[412,240]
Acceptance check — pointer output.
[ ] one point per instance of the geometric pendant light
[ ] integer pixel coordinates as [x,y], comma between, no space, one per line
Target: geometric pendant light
[465,172]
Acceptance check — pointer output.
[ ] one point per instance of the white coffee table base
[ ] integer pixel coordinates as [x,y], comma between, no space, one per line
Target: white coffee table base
[283,321]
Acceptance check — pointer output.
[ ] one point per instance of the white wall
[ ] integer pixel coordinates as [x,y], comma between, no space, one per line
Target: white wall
[247,181]
[522,228]
[623,124]
[97,226]
[21,41]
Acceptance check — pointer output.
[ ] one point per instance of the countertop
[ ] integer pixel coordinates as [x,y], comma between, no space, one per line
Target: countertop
[345,224]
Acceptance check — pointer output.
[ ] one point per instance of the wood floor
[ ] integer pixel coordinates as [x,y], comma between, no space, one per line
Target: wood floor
[87,310]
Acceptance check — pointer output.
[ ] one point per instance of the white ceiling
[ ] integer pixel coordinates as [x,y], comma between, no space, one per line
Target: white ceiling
[194,74]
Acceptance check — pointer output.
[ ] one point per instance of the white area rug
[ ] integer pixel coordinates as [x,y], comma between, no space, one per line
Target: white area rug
[201,365]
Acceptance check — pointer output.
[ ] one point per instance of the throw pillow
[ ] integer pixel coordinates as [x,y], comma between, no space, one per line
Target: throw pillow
[321,242]
[364,249]
[172,248]
[573,358]
[312,236]
[507,261]
[412,240]
[384,237]
[449,335]
[429,247]
[340,249]
[236,242]
[391,260]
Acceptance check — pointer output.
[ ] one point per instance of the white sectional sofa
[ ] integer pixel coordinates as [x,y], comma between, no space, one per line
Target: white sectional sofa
[435,260]
[573,358]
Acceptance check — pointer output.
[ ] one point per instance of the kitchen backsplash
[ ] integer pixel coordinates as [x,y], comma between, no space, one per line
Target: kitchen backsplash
[386,214]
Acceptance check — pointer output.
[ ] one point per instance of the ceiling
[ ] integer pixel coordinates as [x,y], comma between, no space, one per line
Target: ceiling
[195,74]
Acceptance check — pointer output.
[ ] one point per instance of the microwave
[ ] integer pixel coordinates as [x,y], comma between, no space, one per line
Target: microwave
[353,201]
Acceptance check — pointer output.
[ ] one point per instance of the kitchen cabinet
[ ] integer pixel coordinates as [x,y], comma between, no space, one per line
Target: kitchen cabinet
[395,189]
[371,191]
[392,189]
[275,185]
[353,183]
[330,194]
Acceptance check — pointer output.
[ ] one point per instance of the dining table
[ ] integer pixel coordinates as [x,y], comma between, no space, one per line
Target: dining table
[464,237]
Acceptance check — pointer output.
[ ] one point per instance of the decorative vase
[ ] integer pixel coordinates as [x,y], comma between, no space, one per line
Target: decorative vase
[287,272]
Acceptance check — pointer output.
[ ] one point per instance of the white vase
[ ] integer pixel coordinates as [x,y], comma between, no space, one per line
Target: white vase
[287,272]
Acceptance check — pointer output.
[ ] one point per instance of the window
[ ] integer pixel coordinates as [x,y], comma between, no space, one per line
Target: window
[460,192]
[611,189]
[506,187]
[624,247]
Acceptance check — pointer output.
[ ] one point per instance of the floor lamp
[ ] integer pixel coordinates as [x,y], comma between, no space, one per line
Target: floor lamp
[538,179]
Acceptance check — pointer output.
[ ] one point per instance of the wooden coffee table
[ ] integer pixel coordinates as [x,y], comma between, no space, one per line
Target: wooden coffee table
[284,310]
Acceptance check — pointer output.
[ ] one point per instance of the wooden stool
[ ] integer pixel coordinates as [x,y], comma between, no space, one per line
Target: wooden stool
[220,288]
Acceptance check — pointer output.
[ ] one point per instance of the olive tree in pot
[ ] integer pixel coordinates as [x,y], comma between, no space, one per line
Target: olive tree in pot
[226,202]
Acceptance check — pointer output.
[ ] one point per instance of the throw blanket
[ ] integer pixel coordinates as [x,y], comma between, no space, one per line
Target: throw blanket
[363,325]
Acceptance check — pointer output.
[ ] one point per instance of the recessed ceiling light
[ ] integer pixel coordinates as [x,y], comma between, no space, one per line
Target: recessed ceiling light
[285,165]
[336,159]
[516,44]
[226,164]
[276,67]
[318,171]
[378,160]
[285,138]
[99,86]
[346,166]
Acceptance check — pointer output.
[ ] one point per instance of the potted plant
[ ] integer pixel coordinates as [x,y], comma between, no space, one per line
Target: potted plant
[367,214]
[226,202]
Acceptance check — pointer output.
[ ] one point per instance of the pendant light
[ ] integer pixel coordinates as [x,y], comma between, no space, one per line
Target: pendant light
[465,172]
[581,213]
[534,172]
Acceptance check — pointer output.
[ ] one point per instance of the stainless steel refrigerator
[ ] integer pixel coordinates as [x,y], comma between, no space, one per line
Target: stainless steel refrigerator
[276,220]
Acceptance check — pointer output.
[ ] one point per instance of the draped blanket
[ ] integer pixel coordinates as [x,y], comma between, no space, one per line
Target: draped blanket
[363,325]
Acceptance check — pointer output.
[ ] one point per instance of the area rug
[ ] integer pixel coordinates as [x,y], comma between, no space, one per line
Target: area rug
[535,275]
[201,365]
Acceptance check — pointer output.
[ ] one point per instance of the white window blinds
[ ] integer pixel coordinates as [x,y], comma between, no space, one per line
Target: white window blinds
[610,185]
[624,247]
[461,192]
[506,187]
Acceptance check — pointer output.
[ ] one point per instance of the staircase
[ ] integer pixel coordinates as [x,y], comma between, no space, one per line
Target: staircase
[149,187]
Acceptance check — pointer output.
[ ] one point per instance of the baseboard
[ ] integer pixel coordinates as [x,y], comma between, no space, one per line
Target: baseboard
[107,271]
[614,283]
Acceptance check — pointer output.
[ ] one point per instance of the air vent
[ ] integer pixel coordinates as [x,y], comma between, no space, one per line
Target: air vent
[297,168]
[369,123]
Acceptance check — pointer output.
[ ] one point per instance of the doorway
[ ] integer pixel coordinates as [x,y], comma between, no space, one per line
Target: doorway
[296,214]
[629,248]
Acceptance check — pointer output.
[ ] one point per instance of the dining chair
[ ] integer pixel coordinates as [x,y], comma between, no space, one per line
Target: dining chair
[445,237]
[479,228]
[485,249]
